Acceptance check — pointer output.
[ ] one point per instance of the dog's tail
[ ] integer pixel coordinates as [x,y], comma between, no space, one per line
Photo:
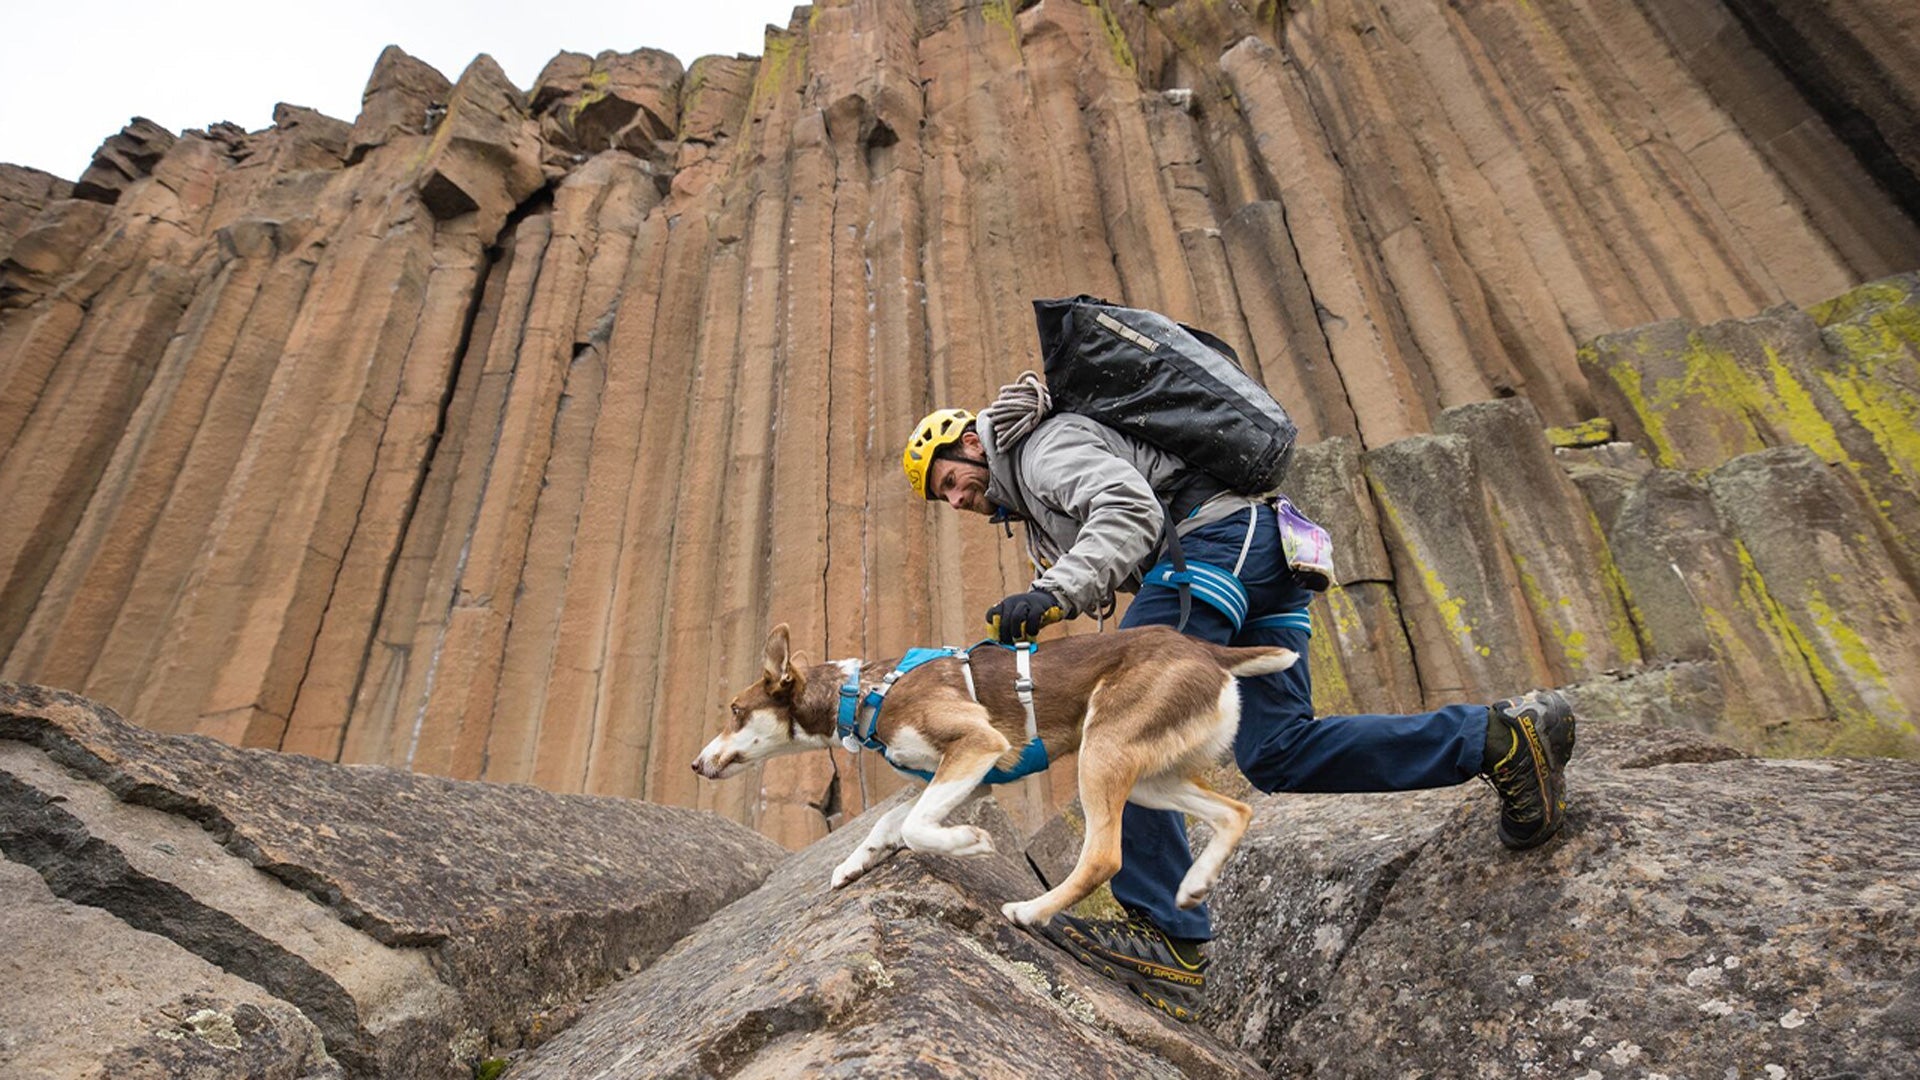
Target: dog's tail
[1254,660]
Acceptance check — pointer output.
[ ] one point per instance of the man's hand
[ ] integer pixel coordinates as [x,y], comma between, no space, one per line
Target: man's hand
[1020,617]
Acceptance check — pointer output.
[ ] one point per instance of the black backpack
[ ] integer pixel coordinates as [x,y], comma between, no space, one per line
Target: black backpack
[1167,384]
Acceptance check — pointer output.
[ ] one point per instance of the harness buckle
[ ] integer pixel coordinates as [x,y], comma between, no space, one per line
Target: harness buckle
[846,722]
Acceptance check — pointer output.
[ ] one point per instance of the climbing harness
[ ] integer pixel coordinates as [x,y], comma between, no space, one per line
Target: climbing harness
[856,735]
[1216,586]
[1298,619]
[1308,550]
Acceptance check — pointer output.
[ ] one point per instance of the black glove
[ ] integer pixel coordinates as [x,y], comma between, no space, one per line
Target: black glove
[1019,617]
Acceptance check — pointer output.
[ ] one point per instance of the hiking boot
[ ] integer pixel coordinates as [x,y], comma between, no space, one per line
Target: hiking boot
[1529,739]
[1169,973]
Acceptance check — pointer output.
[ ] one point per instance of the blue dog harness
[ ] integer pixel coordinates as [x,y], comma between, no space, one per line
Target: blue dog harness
[854,735]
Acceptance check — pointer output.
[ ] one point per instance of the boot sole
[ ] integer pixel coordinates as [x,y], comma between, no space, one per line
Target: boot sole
[1151,990]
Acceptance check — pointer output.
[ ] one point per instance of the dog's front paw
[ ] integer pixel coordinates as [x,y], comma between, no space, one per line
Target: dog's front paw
[847,872]
[1025,913]
[974,840]
[1192,896]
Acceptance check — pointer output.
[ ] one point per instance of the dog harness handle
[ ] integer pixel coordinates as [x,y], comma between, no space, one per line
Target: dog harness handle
[1023,685]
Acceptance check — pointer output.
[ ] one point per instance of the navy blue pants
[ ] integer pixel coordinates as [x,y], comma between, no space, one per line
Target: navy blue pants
[1280,745]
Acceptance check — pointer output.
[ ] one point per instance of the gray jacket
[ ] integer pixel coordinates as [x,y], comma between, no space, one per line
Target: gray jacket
[1091,499]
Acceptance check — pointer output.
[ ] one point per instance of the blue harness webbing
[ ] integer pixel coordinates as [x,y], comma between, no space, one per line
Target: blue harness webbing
[1298,619]
[1216,587]
[847,722]
[1309,555]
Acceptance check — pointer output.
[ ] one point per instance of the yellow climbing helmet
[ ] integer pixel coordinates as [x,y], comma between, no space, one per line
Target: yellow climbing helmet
[942,427]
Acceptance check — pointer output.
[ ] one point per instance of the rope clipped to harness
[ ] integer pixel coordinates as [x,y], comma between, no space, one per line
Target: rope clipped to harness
[856,707]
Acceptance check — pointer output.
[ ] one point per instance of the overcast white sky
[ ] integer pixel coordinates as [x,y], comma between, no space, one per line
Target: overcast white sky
[72,72]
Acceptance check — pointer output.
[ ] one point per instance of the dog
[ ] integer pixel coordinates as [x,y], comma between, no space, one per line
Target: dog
[1147,709]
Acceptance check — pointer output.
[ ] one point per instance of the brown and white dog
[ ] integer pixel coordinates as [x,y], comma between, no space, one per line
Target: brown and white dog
[1147,709]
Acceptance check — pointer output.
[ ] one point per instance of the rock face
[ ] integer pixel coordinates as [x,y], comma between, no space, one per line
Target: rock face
[1705,914]
[1553,538]
[122,159]
[485,156]
[626,101]
[484,435]
[24,194]
[281,916]
[403,97]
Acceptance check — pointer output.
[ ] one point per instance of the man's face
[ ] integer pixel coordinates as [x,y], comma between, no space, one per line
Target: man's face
[962,483]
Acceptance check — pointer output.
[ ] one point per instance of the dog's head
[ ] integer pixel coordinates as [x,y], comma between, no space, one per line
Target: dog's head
[761,724]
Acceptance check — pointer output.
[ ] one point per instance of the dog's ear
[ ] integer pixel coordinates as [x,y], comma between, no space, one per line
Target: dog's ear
[778,674]
[796,674]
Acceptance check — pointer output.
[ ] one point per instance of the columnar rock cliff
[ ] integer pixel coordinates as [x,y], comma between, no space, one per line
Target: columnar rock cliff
[485,434]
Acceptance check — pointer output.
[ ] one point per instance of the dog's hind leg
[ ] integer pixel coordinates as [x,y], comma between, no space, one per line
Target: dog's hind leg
[1106,772]
[965,764]
[881,842]
[1227,817]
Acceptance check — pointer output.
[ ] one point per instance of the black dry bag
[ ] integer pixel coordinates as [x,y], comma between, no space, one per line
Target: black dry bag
[1167,384]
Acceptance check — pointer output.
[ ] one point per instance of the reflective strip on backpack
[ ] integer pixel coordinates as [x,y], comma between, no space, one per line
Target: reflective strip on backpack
[1125,331]
[1217,587]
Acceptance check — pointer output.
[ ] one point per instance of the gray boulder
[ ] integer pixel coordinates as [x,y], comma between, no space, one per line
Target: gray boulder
[86,995]
[418,924]
[909,971]
[1703,915]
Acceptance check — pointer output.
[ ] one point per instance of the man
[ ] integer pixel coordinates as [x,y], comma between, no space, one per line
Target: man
[1095,504]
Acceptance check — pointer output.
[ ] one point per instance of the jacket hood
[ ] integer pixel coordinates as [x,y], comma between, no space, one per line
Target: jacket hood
[1000,490]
